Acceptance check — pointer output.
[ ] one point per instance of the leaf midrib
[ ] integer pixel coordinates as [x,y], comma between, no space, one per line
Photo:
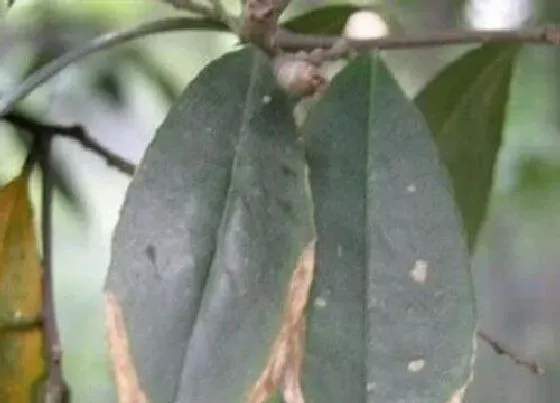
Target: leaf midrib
[471,91]
[243,133]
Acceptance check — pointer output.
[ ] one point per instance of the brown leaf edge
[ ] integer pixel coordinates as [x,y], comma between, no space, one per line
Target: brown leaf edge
[459,394]
[126,379]
[283,367]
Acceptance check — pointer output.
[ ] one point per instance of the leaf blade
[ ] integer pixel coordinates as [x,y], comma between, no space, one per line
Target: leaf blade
[465,106]
[324,20]
[231,185]
[21,346]
[392,277]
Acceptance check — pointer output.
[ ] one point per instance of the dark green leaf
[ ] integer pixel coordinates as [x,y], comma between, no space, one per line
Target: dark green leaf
[465,107]
[391,319]
[213,224]
[324,20]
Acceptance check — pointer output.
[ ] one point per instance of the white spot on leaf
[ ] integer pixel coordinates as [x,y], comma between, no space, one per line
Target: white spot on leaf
[411,188]
[420,271]
[371,386]
[339,250]
[320,302]
[416,365]
[266,99]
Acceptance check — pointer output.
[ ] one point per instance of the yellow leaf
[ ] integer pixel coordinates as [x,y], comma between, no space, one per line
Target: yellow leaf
[21,347]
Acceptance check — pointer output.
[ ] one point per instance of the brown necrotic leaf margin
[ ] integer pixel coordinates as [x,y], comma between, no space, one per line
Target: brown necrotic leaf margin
[126,379]
[283,367]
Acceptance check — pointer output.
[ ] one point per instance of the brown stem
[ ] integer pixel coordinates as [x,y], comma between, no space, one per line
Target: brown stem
[55,387]
[500,349]
[75,132]
[291,41]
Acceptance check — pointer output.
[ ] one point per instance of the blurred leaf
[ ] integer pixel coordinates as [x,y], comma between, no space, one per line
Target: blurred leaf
[465,107]
[392,318]
[213,224]
[10,98]
[324,20]
[331,20]
[538,183]
[21,347]
[109,85]
[154,72]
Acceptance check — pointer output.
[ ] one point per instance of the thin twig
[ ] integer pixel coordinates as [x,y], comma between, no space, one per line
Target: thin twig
[291,41]
[56,389]
[500,349]
[75,132]
[103,42]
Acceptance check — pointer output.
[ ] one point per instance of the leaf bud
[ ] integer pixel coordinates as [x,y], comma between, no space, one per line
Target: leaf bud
[297,76]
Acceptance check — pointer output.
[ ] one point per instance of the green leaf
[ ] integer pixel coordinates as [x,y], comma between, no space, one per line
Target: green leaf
[465,107]
[324,20]
[213,224]
[392,315]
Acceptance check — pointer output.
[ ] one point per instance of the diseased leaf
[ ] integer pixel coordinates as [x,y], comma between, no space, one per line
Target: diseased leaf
[213,225]
[126,379]
[465,107]
[325,20]
[21,342]
[392,316]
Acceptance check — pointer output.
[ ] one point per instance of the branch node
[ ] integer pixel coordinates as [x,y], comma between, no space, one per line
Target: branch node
[78,133]
[298,75]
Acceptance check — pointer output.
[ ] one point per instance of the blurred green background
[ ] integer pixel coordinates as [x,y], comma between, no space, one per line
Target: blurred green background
[122,95]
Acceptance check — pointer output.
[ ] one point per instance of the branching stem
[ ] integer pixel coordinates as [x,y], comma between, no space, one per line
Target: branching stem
[75,132]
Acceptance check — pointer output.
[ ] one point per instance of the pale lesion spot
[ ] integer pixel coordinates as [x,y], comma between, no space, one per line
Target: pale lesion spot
[416,365]
[320,302]
[419,272]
